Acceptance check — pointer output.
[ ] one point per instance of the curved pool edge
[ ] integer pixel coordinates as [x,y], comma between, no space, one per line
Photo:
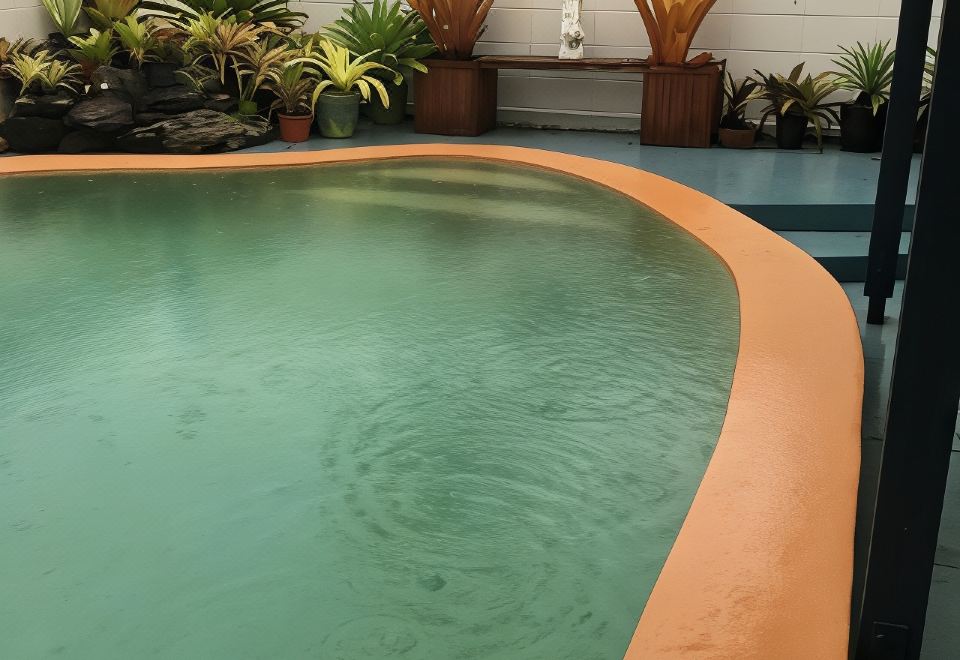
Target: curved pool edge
[762,566]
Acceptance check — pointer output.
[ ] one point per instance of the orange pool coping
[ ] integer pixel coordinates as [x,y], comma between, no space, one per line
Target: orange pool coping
[763,564]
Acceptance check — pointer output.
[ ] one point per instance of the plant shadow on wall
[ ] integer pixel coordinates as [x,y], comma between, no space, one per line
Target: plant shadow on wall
[200,76]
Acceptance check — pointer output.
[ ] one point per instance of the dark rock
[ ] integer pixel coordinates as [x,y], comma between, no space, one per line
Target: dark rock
[200,131]
[103,113]
[33,134]
[3,145]
[127,84]
[160,74]
[86,141]
[220,102]
[51,106]
[172,100]
[8,94]
[147,118]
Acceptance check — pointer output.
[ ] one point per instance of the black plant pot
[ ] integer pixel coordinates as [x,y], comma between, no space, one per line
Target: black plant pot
[791,129]
[861,130]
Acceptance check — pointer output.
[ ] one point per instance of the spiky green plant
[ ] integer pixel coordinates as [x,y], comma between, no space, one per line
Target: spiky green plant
[95,49]
[803,96]
[344,72]
[64,14]
[273,13]
[737,94]
[42,70]
[138,39]
[396,38]
[868,71]
[104,13]
[10,50]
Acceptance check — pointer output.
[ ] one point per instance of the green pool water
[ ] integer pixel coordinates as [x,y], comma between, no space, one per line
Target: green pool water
[417,409]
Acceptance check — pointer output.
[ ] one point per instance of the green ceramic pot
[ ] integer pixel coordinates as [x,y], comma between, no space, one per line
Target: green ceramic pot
[397,111]
[338,114]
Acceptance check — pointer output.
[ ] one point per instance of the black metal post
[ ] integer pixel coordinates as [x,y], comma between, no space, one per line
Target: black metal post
[897,155]
[925,390]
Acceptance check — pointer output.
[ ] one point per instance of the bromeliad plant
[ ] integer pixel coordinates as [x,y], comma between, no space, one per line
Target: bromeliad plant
[65,15]
[42,72]
[806,97]
[138,40]
[95,49]
[344,72]
[219,40]
[10,50]
[867,71]
[253,66]
[455,25]
[390,35]
[293,82]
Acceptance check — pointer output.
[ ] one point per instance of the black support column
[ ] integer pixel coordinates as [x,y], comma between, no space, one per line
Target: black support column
[925,389]
[897,154]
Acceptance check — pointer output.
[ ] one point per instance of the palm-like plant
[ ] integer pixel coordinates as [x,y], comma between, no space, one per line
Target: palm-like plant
[737,94]
[42,70]
[391,34]
[104,13]
[294,81]
[868,71]
[344,72]
[671,26]
[64,14]
[801,96]
[95,49]
[455,25]
[138,39]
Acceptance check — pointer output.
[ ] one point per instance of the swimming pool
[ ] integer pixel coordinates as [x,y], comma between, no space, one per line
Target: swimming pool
[410,408]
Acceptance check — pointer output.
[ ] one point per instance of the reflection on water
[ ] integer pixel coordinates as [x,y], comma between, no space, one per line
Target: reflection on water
[416,409]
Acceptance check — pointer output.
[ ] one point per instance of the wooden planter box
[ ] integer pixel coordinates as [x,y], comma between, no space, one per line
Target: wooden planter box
[681,105]
[456,97]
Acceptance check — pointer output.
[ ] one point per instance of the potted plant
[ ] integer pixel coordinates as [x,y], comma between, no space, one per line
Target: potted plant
[456,97]
[797,102]
[337,99]
[681,97]
[394,37]
[868,73]
[104,13]
[253,65]
[735,131]
[94,50]
[293,85]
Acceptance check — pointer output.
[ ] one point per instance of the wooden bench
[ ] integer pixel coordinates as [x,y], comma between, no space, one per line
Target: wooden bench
[681,105]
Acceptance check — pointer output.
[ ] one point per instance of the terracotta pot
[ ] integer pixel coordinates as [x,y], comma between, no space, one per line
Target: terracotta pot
[295,128]
[738,138]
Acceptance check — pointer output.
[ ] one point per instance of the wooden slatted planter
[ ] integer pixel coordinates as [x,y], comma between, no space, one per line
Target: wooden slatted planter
[456,97]
[681,105]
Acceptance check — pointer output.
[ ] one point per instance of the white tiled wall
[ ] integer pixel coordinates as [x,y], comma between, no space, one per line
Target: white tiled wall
[771,35]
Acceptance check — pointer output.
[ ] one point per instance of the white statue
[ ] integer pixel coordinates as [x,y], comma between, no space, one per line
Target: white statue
[571,31]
